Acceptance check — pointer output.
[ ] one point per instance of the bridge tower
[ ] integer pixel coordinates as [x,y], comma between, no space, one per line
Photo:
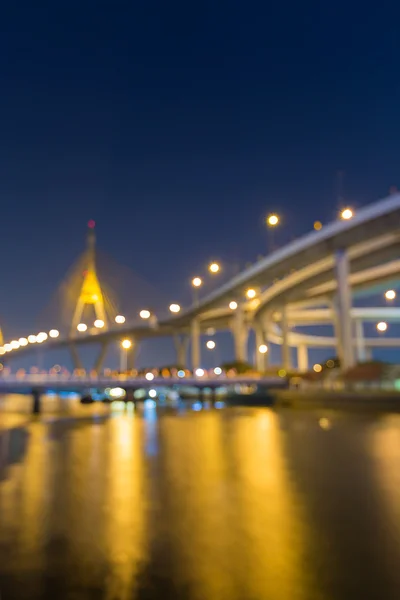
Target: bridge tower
[90,293]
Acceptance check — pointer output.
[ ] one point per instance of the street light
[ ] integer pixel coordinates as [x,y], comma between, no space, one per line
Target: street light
[272,221]
[31,339]
[120,319]
[233,305]
[390,295]
[174,308]
[125,345]
[81,327]
[23,342]
[382,326]
[196,282]
[54,333]
[210,344]
[99,323]
[41,337]
[346,214]
[144,314]
[214,267]
[317,225]
[14,345]
[251,293]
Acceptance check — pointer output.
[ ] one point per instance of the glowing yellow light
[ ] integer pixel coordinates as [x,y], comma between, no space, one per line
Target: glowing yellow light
[23,342]
[317,225]
[317,368]
[390,295]
[251,293]
[346,214]
[174,308]
[324,423]
[233,305]
[197,281]
[14,344]
[120,319]
[282,373]
[95,297]
[99,323]
[32,339]
[210,344]
[126,344]
[214,267]
[382,326]
[263,348]
[117,392]
[2,350]
[54,333]
[145,314]
[149,376]
[7,347]
[81,327]
[272,220]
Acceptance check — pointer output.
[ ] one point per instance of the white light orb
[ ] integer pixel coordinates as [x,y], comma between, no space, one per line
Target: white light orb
[217,371]
[214,267]
[152,393]
[145,314]
[23,342]
[32,339]
[233,305]
[210,344]
[174,308]
[81,327]
[120,319]
[54,333]
[346,214]
[149,376]
[196,281]
[390,295]
[99,323]
[272,220]
[126,344]
[263,348]
[199,372]
[251,293]
[382,326]
[317,368]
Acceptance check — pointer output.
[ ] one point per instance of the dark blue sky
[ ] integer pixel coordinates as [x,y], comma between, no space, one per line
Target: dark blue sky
[178,126]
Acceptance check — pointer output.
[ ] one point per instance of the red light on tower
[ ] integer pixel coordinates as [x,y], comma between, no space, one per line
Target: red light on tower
[91,224]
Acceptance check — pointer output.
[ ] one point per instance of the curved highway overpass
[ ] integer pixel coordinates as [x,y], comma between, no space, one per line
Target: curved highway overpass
[311,280]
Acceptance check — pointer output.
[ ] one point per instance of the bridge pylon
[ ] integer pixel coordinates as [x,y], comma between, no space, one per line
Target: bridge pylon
[90,293]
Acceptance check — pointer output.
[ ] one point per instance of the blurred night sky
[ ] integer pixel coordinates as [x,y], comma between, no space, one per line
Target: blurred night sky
[178,127]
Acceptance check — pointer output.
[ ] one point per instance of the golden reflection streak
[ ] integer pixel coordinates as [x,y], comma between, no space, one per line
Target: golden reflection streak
[125,505]
[274,564]
[385,449]
[197,487]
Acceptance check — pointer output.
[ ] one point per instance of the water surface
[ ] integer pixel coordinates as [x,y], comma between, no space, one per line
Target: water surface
[230,504]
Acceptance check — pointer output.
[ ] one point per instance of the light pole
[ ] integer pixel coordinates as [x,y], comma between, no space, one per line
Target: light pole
[196,284]
[125,346]
[271,221]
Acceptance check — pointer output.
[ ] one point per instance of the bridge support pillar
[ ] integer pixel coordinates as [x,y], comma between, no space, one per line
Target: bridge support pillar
[286,362]
[76,361]
[344,324]
[302,358]
[261,361]
[360,341]
[181,344]
[195,341]
[101,357]
[240,334]
[131,355]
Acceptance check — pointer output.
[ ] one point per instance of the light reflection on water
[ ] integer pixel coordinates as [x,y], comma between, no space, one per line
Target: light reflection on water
[228,504]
